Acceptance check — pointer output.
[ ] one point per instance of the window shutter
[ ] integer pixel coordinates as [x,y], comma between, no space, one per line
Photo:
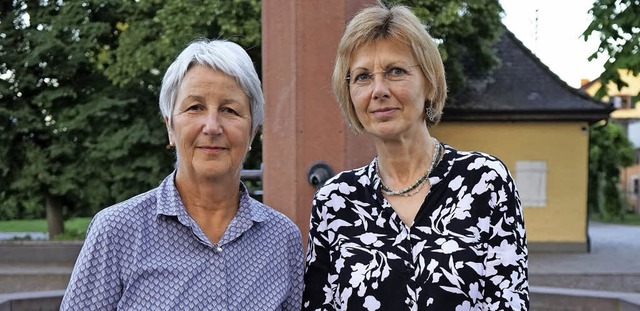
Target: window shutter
[531,179]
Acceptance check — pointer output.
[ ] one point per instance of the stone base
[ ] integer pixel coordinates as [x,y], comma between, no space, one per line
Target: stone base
[42,301]
[561,299]
[558,247]
[629,282]
[49,252]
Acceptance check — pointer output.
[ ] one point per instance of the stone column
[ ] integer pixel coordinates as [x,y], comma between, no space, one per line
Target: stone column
[303,124]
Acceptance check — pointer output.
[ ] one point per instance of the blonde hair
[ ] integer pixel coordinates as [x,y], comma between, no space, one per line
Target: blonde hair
[396,23]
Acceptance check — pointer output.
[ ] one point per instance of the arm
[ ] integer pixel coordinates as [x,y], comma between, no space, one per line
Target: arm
[296,265]
[507,257]
[95,280]
[317,288]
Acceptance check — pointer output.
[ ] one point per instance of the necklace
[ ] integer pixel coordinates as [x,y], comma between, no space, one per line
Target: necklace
[411,190]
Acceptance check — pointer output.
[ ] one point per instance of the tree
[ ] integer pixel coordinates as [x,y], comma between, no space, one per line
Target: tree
[70,140]
[609,149]
[616,24]
[466,31]
[80,127]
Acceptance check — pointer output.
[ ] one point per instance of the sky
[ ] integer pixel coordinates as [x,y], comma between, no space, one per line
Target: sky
[552,30]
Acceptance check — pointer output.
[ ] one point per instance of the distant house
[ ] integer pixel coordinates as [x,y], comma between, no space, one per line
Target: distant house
[538,125]
[627,114]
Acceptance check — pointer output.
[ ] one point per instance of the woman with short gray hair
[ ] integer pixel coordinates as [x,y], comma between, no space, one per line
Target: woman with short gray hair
[198,241]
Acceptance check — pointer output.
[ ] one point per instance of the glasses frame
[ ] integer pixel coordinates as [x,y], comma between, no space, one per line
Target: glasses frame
[373,74]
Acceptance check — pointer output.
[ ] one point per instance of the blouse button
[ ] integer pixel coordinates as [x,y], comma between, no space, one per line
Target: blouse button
[217,249]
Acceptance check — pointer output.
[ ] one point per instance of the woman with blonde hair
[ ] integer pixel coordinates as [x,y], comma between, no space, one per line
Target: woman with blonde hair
[423,226]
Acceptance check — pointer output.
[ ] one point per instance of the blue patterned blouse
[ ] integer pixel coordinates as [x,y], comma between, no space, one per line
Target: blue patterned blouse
[147,253]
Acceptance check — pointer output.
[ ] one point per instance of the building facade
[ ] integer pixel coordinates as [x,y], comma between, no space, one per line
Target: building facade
[627,114]
[539,126]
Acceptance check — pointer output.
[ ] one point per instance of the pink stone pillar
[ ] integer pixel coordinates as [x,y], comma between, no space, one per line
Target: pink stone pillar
[303,123]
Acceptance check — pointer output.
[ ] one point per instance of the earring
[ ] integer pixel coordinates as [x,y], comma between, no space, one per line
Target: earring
[430,112]
[169,145]
[249,148]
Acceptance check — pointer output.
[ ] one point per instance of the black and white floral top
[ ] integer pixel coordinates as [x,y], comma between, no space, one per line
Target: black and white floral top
[466,249]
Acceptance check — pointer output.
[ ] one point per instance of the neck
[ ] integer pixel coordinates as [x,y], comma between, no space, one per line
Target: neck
[402,174]
[212,204]
[207,193]
[402,162]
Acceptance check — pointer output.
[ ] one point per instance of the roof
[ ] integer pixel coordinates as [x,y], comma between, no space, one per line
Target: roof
[523,89]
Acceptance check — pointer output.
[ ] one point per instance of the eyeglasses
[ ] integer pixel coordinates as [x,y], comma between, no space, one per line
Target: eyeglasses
[363,77]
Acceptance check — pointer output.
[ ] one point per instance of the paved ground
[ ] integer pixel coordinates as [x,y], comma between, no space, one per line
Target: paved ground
[614,249]
[613,263]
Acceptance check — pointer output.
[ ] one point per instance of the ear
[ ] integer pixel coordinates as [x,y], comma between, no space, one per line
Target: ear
[172,141]
[254,134]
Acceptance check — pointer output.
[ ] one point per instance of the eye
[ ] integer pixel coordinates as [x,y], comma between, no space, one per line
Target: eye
[396,72]
[363,77]
[228,109]
[194,107]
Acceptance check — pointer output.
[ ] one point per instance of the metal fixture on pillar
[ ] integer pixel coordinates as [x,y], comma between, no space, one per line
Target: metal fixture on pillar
[319,173]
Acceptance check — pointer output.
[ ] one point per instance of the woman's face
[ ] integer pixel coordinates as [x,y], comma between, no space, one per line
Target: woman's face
[388,89]
[211,124]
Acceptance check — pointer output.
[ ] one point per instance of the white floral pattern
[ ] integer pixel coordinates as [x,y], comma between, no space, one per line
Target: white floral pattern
[465,251]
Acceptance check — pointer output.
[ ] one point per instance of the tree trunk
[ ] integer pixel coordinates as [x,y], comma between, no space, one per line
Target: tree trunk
[55,221]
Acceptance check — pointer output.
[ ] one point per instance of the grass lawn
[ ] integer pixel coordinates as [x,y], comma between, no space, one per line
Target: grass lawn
[629,219]
[40,225]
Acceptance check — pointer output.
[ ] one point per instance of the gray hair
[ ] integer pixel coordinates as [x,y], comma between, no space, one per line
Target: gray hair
[221,55]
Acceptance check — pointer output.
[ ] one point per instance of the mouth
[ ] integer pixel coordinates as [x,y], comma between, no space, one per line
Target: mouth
[212,148]
[385,111]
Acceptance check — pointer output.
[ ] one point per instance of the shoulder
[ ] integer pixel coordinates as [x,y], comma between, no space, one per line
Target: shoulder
[346,182]
[479,163]
[349,176]
[126,215]
[275,221]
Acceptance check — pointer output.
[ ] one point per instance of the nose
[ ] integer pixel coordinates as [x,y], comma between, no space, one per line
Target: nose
[212,125]
[380,87]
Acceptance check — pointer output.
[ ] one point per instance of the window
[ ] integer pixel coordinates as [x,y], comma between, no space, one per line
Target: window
[616,101]
[622,101]
[635,185]
[531,179]
[626,102]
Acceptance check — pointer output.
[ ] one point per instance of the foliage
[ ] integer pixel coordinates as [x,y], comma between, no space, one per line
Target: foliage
[67,134]
[79,82]
[154,32]
[628,219]
[609,150]
[615,22]
[467,31]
